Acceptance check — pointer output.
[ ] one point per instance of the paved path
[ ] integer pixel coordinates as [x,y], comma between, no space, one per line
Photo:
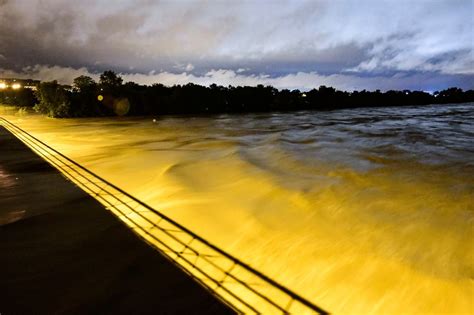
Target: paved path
[62,253]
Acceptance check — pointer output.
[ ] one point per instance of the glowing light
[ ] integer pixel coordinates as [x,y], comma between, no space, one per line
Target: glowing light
[3,85]
[121,106]
[100,98]
[16,86]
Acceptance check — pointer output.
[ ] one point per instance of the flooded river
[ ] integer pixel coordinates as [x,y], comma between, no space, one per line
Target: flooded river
[360,211]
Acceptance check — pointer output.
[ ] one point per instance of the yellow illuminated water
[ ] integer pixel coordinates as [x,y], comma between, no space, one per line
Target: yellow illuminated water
[360,211]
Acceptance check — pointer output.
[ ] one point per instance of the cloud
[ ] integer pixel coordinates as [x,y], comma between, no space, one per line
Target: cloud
[64,75]
[346,38]
[186,67]
[396,54]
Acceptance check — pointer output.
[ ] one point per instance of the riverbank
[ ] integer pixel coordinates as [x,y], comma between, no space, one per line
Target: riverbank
[63,253]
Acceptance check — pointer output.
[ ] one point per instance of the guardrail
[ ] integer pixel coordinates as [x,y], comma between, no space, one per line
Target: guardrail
[237,284]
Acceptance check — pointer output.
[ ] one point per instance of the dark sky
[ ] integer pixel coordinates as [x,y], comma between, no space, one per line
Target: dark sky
[349,44]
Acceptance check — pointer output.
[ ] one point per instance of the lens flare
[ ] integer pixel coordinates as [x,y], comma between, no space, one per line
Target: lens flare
[121,106]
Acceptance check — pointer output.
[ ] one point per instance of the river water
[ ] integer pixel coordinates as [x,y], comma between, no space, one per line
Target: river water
[364,211]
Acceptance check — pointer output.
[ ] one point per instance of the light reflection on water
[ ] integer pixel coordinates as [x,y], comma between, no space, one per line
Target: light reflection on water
[366,210]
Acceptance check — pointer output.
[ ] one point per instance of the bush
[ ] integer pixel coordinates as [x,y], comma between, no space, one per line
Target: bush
[22,97]
[53,100]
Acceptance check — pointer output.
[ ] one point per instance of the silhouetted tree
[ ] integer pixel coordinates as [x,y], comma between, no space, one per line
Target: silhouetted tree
[83,84]
[84,99]
[451,95]
[196,99]
[53,100]
[110,82]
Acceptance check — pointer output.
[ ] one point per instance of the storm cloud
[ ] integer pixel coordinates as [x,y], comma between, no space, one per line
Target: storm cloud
[424,44]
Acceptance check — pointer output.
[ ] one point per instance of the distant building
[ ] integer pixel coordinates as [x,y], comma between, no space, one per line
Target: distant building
[15,84]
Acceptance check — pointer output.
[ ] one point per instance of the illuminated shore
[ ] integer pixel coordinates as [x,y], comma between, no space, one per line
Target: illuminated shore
[63,253]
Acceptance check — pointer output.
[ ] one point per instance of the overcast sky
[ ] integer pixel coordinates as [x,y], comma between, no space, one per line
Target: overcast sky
[348,44]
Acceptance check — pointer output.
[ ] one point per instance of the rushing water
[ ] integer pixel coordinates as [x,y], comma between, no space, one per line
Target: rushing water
[360,211]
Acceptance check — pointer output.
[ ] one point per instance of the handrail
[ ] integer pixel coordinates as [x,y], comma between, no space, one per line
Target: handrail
[249,290]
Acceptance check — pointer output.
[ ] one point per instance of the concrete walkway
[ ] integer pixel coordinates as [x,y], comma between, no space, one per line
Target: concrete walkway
[61,252]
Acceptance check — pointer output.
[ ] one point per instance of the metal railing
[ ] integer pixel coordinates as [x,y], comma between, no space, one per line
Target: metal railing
[234,282]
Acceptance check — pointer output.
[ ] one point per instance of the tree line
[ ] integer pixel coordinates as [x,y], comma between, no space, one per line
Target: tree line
[110,96]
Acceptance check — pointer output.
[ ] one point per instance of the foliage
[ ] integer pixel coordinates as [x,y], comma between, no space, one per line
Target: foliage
[53,100]
[110,82]
[110,96]
[84,98]
[22,97]
[84,84]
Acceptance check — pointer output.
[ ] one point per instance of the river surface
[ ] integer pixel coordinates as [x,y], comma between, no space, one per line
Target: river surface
[361,211]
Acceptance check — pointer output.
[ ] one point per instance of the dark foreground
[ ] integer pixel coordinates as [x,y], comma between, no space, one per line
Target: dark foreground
[62,253]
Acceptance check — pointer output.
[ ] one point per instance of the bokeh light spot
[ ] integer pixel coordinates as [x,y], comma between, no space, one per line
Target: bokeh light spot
[121,106]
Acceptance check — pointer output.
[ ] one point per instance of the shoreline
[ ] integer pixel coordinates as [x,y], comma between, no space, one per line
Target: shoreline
[19,111]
